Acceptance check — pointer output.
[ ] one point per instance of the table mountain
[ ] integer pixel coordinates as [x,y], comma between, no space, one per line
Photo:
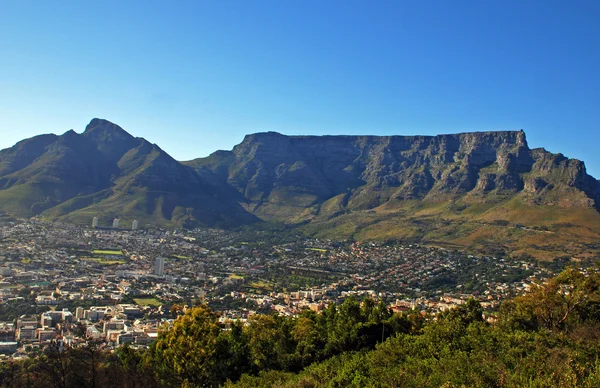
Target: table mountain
[285,175]
[483,189]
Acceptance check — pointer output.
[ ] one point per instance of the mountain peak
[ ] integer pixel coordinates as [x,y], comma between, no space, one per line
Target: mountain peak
[101,128]
[112,140]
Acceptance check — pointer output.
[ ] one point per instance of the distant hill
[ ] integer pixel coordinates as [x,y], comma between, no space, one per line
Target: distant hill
[487,190]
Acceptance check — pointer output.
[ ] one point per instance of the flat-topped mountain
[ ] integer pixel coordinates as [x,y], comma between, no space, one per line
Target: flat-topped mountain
[276,172]
[484,189]
[487,189]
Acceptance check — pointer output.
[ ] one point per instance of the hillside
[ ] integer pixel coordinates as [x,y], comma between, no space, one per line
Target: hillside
[485,190]
[108,173]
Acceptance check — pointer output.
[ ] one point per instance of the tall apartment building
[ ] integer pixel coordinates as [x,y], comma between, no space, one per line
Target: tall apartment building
[79,313]
[159,266]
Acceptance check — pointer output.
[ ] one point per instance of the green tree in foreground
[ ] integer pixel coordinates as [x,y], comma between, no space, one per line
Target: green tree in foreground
[563,302]
[200,351]
[187,354]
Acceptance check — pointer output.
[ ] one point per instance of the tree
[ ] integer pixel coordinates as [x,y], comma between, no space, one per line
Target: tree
[568,299]
[468,312]
[233,349]
[306,334]
[186,354]
[345,333]
[271,342]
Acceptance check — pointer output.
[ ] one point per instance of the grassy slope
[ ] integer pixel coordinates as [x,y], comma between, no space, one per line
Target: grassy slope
[544,232]
[137,205]
[27,199]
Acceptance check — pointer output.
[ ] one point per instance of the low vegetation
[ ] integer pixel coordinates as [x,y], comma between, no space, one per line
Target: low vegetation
[103,261]
[107,252]
[147,301]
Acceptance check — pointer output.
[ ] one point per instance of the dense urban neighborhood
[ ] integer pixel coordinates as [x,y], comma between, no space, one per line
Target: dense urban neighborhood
[68,285]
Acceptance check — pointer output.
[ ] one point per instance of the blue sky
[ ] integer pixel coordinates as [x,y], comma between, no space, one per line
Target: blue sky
[197,76]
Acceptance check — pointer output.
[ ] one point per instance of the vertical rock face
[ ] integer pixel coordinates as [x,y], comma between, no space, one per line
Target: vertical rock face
[271,169]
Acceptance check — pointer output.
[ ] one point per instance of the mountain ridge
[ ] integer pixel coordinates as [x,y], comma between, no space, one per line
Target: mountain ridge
[386,160]
[115,174]
[436,188]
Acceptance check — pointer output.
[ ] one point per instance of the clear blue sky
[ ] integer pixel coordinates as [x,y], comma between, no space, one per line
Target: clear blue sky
[197,76]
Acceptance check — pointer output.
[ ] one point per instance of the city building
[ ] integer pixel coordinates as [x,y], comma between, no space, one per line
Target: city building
[26,327]
[114,324]
[135,225]
[8,347]
[116,223]
[7,332]
[97,313]
[131,311]
[46,334]
[53,318]
[95,222]
[159,266]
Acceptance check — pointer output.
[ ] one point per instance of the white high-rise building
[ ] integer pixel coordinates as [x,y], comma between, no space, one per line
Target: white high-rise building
[116,223]
[135,225]
[95,222]
[159,266]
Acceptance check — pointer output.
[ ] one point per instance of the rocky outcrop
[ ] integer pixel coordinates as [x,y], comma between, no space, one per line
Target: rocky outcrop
[271,169]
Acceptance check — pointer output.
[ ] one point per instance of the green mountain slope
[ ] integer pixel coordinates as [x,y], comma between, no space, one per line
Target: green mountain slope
[108,173]
[487,190]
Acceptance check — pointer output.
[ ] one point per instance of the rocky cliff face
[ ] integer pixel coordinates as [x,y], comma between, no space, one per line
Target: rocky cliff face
[295,179]
[272,170]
